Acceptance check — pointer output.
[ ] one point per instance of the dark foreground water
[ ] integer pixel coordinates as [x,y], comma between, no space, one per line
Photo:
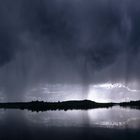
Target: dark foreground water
[114,123]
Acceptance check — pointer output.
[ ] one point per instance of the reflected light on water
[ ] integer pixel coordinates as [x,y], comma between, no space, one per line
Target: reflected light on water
[58,118]
[115,117]
[2,114]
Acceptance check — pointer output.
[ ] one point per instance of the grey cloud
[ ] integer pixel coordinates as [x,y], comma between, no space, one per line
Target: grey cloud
[68,40]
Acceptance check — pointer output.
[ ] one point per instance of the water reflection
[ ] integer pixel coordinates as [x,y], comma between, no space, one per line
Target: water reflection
[111,124]
[2,114]
[115,117]
[59,118]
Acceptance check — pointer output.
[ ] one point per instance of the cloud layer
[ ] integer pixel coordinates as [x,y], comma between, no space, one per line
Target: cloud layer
[68,41]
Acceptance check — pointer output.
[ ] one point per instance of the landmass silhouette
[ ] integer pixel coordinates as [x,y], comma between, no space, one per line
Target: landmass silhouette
[65,105]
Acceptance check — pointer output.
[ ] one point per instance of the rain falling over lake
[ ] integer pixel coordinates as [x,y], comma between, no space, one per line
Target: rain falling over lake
[71,62]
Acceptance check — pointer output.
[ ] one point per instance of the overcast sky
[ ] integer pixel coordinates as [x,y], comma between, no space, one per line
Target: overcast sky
[68,41]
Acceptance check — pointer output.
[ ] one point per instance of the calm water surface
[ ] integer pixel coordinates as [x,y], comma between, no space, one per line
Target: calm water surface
[111,123]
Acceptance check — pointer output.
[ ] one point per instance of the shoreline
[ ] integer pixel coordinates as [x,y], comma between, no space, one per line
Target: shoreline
[65,105]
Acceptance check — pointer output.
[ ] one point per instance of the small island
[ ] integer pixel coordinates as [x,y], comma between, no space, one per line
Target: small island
[65,105]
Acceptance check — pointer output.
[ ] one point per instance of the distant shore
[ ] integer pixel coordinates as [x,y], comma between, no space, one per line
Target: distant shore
[65,105]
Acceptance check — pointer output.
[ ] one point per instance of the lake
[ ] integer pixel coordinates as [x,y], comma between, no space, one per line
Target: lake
[106,123]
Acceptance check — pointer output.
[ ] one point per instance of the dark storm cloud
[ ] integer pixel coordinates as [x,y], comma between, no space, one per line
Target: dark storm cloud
[62,22]
[6,40]
[68,40]
[9,29]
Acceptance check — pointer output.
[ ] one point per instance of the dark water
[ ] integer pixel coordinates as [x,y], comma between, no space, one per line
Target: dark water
[113,123]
